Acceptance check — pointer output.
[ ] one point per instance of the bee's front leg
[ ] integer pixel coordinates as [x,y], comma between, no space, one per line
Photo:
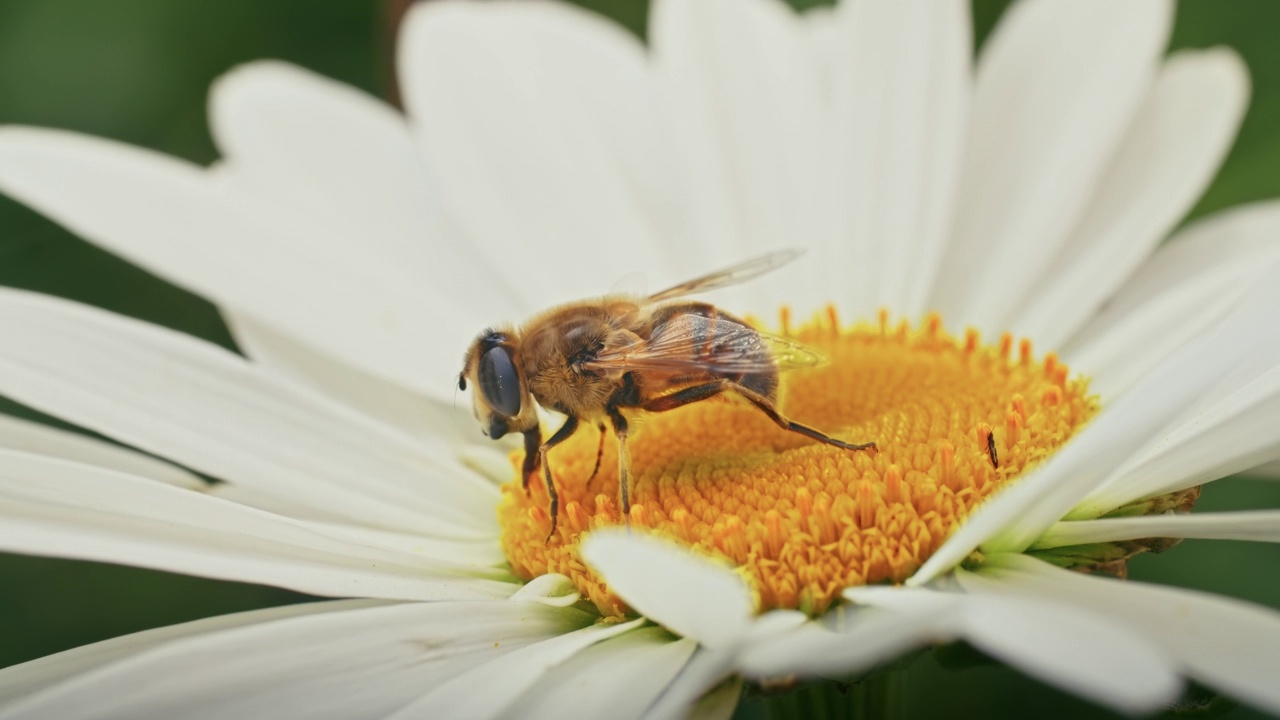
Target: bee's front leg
[532,455]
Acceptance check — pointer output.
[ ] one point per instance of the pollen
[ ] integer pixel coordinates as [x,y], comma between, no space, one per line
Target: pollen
[954,420]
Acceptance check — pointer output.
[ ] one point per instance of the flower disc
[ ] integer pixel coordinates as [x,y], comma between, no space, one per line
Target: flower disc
[953,419]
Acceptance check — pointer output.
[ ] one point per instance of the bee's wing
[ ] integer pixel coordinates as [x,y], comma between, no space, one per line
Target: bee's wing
[695,343]
[739,273]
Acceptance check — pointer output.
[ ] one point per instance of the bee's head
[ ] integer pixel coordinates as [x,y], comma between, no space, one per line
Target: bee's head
[500,399]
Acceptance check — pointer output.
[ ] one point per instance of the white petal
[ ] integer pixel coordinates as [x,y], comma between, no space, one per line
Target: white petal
[30,437]
[1257,525]
[211,410]
[490,689]
[351,164]
[1079,651]
[196,228]
[58,508]
[690,595]
[1190,284]
[718,704]
[822,31]
[360,663]
[551,589]
[396,405]
[617,678]
[747,103]
[342,156]
[1169,154]
[1235,433]
[900,100]
[546,111]
[31,677]
[850,641]
[707,670]
[481,553]
[1130,425]
[1225,643]
[1269,470]
[1057,84]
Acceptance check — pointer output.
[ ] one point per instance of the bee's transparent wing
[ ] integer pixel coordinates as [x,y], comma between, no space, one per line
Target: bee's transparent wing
[692,343]
[739,273]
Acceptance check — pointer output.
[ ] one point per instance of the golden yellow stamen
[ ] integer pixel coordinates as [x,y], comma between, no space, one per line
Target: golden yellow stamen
[954,420]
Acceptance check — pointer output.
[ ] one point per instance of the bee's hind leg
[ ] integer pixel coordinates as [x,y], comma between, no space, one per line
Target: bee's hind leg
[768,408]
[708,390]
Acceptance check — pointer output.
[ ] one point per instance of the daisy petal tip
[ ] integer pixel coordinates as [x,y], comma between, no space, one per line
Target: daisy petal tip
[690,595]
[553,589]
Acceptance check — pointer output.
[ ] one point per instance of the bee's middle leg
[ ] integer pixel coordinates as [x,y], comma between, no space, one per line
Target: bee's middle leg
[624,462]
[599,452]
[657,404]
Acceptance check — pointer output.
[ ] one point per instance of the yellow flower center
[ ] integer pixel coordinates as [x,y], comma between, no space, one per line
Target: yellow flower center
[954,421]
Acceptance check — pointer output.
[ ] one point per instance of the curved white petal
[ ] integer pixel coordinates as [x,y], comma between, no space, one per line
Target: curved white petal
[550,589]
[58,508]
[1130,425]
[213,411]
[1256,525]
[1186,287]
[229,240]
[849,642]
[747,107]
[357,663]
[351,165]
[31,437]
[402,407]
[345,158]
[822,31]
[689,595]
[1057,83]
[476,553]
[31,677]
[490,689]
[706,673]
[1167,157]
[719,703]
[1237,432]
[1222,642]
[1083,652]
[900,94]
[1269,470]
[617,678]
[540,126]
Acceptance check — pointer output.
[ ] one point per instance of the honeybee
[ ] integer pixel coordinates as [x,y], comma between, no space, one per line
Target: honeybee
[593,360]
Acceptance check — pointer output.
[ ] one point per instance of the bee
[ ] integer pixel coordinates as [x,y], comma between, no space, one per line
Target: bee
[596,360]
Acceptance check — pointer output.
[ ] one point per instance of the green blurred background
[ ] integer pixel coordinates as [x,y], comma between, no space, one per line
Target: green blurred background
[138,70]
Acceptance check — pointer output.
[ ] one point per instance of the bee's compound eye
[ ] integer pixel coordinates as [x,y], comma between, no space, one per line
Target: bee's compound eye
[499,381]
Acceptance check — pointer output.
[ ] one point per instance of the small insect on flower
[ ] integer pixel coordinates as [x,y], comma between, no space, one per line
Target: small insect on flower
[593,359]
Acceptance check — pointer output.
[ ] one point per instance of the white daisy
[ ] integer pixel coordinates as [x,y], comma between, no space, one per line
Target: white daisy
[355,251]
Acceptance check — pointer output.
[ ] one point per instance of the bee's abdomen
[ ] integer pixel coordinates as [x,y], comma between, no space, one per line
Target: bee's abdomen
[725,335]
